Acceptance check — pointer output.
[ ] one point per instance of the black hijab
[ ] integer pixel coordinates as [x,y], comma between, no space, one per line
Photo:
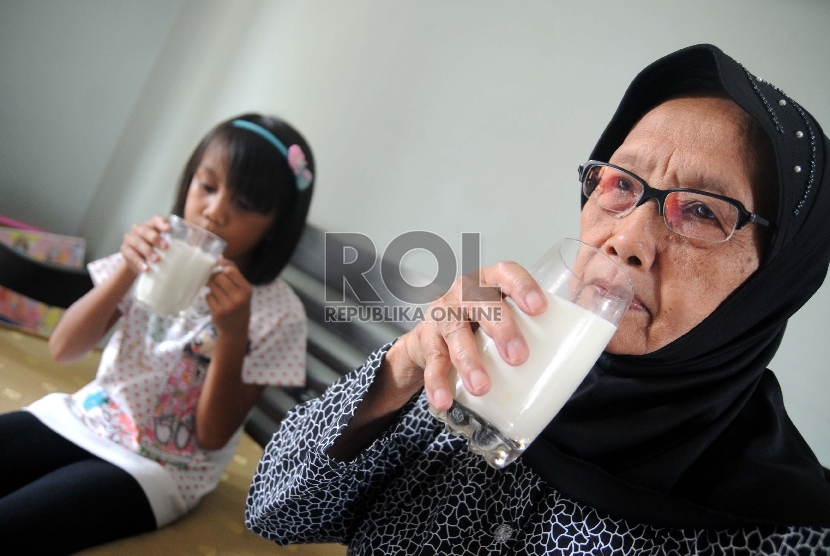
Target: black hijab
[695,435]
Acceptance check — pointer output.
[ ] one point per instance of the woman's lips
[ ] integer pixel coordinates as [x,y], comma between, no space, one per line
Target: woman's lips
[637,305]
[605,288]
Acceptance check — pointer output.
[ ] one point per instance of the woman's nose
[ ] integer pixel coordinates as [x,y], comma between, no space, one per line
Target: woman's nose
[635,237]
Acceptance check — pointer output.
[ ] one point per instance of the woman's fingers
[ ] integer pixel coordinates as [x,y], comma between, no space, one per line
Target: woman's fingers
[461,349]
[511,280]
[516,283]
[442,344]
[434,347]
[437,365]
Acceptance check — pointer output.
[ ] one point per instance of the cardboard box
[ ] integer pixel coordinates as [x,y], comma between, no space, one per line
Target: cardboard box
[19,310]
[43,246]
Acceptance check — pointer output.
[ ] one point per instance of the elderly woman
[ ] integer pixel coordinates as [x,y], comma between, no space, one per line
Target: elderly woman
[710,187]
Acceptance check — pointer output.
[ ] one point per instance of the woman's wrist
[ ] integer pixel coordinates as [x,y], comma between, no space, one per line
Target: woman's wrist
[397,379]
[389,392]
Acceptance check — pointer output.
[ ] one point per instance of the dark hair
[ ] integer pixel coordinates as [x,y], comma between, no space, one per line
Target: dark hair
[259,174]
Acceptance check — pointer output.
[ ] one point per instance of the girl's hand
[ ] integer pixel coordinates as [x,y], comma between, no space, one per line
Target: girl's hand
[229,300]
[140,243]
[425,354]
[225,399]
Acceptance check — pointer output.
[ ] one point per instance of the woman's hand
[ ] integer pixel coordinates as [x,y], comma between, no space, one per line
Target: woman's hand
[229,300]
[424,355]
[140,243]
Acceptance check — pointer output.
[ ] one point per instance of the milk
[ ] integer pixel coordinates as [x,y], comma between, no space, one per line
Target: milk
[170,285]
[564,342]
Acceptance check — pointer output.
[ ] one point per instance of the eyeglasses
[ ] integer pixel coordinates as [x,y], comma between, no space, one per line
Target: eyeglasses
[688,212]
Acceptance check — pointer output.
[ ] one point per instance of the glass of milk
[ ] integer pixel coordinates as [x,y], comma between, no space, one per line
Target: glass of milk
[587,295]
[171,285]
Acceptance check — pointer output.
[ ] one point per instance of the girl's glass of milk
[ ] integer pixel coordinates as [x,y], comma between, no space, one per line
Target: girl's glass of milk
[171,284]
[587,295]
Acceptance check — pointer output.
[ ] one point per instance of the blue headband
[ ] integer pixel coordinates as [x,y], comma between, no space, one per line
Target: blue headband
[293,154]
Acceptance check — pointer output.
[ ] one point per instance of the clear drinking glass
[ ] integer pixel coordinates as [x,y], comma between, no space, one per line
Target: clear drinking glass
[587,294]
[171,284]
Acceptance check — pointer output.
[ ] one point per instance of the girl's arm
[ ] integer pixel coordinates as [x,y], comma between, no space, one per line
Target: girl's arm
[88,319]
[225,400]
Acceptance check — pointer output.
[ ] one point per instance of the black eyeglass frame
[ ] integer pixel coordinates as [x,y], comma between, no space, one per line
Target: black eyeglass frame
[659,195]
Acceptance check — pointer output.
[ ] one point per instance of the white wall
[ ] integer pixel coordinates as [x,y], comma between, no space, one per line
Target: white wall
[449,116]
[70,74]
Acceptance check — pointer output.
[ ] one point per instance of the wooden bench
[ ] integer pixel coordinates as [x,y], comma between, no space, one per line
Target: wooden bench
[334,348]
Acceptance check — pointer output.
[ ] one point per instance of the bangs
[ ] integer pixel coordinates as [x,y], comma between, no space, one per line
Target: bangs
[259,180]
[258,175]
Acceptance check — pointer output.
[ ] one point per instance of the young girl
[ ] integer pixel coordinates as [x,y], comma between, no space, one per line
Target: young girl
[141,444]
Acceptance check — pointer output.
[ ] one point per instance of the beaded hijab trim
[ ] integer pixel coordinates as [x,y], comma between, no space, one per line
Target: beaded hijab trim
[798,134]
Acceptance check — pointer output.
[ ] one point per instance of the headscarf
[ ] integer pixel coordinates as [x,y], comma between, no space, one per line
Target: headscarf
[695,435]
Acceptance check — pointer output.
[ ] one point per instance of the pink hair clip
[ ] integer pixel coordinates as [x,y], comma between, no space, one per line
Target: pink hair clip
[297,161]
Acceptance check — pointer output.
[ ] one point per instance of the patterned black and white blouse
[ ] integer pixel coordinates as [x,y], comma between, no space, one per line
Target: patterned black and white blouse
[419,490]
